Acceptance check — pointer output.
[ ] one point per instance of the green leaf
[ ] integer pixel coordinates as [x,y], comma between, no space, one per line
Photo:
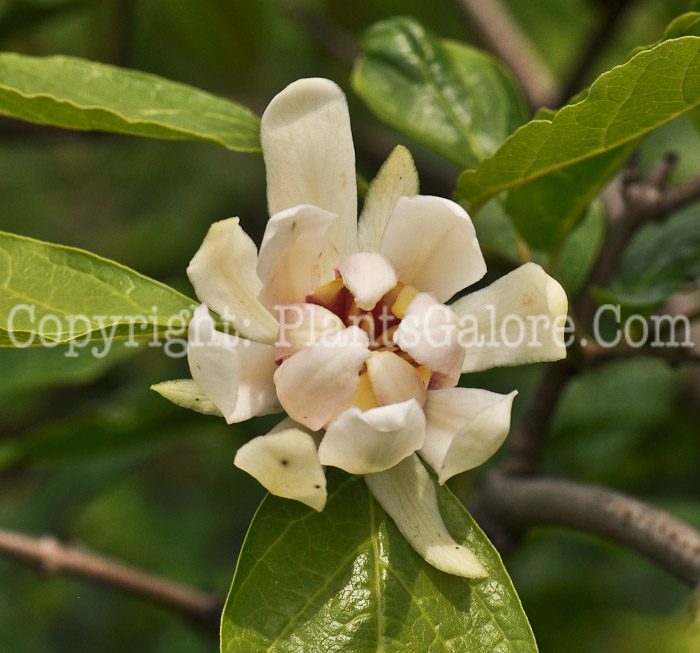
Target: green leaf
[546,209]
[649,90]
[661,260]
[346,580]
[50,294]
[451,97]
[580,250]
[78,94]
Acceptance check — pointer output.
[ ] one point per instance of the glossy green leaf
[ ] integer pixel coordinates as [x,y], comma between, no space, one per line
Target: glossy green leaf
[451,97]
[50,294]
[649,90]
[78,94]
[661,260]
[346,580]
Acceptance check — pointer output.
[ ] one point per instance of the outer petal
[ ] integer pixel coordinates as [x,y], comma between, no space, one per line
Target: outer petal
[314,383]
[362,443]
[433,244]
[223,275]
[396,178]
[236,374]
[516,320]
[368,276]
[430,333]
[290,264]
[285,462]
[465,427]
[309,156]
[407,494]
[301,325]
[393,379]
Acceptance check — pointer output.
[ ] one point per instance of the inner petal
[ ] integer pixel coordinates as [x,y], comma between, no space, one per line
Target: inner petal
[394,379]
[368,276]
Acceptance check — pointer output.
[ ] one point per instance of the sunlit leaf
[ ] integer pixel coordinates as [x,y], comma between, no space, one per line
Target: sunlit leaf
[346,580]
[50,294]
[78,94]
[449,96]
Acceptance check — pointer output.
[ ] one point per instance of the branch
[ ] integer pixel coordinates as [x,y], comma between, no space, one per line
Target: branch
[604,32]
[50,557]
[526,442]
[521,503]
[505,38]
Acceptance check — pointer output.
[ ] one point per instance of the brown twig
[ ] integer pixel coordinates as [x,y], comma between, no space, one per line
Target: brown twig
[520,503]
[50,557]
[506,39]
[614,11]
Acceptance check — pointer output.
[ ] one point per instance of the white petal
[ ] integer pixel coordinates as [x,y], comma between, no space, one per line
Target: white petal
[290,264]
[408,495]
[433,244]
[430,333]
[285,462]
[309,156]
[187,394]
[368,276]
[516,320]
[301,325]
[393,379]
[236,374]
[223,275]
[379,438]
[314,383]
[396,178]
[464,428]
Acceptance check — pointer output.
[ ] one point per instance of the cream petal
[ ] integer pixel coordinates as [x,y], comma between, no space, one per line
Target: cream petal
[379,438]
[430,333]
[368,276]
[516,320]
[433,244]
[393,379]
[187,394]
[301,325]
[236,374]
[310,158]
[289,264]
[464,428]
[407,493]
[396,178]
[223,275]
[314,383]
[285,462]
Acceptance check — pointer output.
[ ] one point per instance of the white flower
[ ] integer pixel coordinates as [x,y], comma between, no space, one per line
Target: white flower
[343,326]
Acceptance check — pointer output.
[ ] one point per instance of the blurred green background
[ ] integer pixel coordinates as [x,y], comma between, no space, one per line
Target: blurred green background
[89,453]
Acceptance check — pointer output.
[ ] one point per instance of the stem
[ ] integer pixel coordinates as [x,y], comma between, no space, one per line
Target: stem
[518,503]
[50,557]
[505,38]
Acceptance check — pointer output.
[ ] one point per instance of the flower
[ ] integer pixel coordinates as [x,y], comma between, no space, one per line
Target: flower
[342,325]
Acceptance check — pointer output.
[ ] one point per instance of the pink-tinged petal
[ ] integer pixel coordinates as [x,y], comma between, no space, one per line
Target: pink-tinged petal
[236,374]
[430,333]
[301,325]
[363,443]
[285,462]
[223,275]
[433,244]
[310,158]
[368,276]
[396,178]
[393,379]
[465,427]
[408,495]
[516,320]
[290,264]
[314,383]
